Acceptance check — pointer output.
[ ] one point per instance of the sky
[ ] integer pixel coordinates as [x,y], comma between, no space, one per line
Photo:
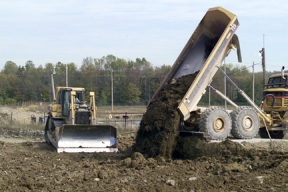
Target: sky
[69,31]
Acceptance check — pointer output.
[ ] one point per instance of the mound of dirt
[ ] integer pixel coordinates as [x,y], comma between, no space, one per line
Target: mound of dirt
[159,125]
[193,147]
[226,166]
[158,128]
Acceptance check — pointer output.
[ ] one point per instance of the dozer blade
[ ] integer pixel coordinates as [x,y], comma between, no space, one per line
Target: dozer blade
[85,138]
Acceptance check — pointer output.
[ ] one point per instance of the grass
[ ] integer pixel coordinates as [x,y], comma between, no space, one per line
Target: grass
[17,125]
[103,112]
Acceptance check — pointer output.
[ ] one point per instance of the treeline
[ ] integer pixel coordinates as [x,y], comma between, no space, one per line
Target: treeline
[133,82]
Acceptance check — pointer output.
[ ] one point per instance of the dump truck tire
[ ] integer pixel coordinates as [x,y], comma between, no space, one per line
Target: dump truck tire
[245,123]
[185,126]
[216,123]
[273,134]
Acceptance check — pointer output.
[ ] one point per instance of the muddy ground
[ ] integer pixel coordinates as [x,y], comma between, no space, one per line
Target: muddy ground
[27,163]
[155,159]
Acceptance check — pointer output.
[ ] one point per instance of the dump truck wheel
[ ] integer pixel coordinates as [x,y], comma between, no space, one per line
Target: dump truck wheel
[263,133]
[245,123]
[216,123]
[277,134]
[185,126]
[273,134]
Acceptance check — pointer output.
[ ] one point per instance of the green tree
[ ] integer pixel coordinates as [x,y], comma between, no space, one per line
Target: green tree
[99,63]
[29,66]
[103,97]
[10,68]
[88,75]
[131,94]
[109,60]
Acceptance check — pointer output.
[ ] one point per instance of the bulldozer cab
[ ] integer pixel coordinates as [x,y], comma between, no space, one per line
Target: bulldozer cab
[80,97]
[275,93]
[64,100]
[277,81]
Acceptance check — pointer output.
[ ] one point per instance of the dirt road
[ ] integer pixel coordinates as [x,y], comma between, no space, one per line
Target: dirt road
[29,164]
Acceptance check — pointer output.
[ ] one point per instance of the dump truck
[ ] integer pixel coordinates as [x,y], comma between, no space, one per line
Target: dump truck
[71,124]
[211,42]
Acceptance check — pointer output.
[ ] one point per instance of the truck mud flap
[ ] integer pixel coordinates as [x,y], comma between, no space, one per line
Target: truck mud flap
[86,138]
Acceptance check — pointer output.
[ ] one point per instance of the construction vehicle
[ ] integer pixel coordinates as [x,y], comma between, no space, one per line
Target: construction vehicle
[203,54]
[71,124]
[275,103]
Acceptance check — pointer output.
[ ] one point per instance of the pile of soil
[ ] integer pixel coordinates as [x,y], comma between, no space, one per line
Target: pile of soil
[158,128]
[192,147]
[225,166]
[159,125]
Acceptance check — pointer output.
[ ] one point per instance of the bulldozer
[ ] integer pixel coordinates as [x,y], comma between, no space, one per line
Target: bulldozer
[71,124]
[275,104]
[203,54]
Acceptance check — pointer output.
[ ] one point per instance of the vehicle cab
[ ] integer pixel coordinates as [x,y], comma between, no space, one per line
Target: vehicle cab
[275,93]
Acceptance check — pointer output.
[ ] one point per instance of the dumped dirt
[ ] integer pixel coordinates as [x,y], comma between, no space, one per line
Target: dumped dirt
[159,125]
[157,135]
[226,166]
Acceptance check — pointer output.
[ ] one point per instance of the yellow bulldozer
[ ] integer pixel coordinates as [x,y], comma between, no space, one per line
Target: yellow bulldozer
[275,105]
[71,124]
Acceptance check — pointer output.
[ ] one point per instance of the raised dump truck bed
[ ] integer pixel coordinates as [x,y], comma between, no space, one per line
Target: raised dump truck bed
[210,43]
[188,78]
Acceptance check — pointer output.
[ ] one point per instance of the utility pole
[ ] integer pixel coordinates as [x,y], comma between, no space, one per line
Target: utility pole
[112,90]
[66,75]
[262,52]
[53,72]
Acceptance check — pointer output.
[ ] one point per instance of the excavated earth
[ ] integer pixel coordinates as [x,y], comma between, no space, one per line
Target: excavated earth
[157,135]
[154,159]
[27,163]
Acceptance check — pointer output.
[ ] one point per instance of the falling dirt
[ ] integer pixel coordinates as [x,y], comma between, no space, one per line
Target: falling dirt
[159,125]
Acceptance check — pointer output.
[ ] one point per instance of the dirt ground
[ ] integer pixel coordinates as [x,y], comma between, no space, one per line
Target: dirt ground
[27,163]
